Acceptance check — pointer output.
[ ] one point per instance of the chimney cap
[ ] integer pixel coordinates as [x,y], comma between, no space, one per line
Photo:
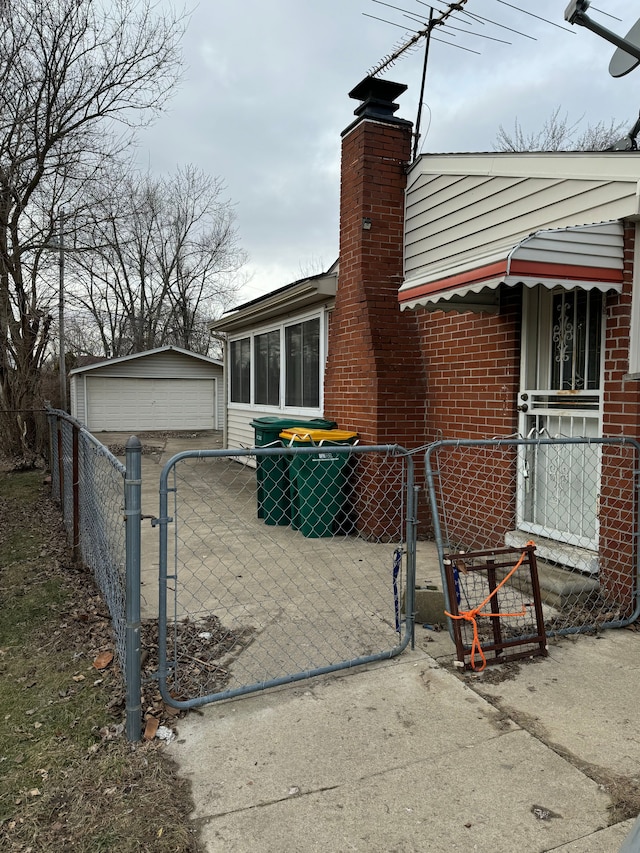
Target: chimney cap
[377,99]
[377,89]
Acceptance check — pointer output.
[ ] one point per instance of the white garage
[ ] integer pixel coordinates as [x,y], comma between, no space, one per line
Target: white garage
[163,389]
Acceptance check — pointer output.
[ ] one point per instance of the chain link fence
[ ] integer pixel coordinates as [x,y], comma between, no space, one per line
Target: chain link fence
[280,564]
[576,499]
[89,481]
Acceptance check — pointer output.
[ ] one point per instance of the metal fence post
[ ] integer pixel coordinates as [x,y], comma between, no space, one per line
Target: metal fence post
[76,494]
[61,471]
[133,504]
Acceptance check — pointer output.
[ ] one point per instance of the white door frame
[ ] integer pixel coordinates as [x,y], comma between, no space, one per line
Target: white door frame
[548,479]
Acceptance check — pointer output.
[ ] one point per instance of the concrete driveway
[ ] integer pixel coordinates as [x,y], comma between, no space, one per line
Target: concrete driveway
[306,603]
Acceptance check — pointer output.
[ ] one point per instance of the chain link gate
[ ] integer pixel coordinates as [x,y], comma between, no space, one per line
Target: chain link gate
[575,498]
[279,564]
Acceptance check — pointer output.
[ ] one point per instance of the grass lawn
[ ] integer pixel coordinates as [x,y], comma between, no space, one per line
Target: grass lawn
[69,781]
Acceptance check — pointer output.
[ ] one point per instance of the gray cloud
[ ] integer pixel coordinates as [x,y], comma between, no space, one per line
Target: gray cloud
[264,100]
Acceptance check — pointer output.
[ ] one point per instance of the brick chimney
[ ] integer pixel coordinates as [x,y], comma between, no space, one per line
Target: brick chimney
[374,381]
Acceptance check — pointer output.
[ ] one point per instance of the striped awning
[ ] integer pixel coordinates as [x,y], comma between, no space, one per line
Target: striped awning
[589,257]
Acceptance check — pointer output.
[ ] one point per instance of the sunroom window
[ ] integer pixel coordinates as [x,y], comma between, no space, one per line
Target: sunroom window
[240,369]
[278,368]
[267,368]
[302,364]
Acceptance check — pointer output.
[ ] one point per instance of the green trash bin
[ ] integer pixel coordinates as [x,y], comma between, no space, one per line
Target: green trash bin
[318,480]
[272,472]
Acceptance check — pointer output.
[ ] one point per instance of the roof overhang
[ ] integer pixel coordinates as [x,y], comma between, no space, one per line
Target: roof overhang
[589,257]
[287,300]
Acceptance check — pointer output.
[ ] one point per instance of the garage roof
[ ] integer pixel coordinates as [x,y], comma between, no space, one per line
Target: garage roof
[169,348]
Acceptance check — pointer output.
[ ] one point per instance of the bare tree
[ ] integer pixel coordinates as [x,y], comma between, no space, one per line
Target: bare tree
[75,80]
[162,257]
[558,133]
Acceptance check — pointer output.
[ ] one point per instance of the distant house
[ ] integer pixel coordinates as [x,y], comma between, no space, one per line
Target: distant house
[478,296]
[168,388]
[275,352]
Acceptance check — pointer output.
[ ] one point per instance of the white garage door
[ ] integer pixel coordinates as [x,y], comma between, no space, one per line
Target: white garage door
[150,404]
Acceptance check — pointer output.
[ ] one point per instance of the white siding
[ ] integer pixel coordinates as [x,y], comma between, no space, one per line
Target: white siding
[219,392]
[73,398]
[466,211]
[162,365]
[240,432]
[78,404]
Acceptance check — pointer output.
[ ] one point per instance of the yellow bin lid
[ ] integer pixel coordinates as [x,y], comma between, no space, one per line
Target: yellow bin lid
[316,435]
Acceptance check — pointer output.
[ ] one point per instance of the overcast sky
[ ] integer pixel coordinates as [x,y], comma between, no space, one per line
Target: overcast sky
[265,98]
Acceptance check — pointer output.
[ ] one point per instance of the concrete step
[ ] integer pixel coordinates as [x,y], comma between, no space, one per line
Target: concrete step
[560,587]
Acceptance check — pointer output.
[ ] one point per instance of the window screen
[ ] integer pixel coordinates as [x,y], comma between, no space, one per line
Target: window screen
[240,358]
[302,364]
[267,368]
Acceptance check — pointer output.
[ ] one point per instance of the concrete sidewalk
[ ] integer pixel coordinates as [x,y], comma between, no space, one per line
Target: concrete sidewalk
[409,756]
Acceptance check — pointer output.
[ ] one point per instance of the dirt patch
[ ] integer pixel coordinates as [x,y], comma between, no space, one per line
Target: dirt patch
[200,655]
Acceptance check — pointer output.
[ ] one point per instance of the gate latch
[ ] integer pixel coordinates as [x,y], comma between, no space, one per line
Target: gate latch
[156,521]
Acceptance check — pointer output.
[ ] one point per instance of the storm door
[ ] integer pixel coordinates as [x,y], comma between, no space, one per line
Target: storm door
[562,349]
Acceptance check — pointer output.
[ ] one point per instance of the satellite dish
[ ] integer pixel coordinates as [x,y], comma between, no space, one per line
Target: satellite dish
[621,61]
[628,142]
[627,56]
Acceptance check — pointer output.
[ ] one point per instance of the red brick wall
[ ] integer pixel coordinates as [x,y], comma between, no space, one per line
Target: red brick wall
[374,380]
[416,376]
[473,370]
[621,397]
[618,513]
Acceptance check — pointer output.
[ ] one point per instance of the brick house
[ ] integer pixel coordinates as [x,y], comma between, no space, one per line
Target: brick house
[489,295]
[484,295]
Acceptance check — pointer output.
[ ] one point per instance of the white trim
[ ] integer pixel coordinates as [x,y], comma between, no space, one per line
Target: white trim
[309,294]
[319,313]
[578,165]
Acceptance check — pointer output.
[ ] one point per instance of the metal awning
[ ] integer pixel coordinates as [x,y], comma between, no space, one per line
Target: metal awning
[589,257]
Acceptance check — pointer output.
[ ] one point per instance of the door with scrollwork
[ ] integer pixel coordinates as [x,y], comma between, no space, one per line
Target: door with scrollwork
[561,398]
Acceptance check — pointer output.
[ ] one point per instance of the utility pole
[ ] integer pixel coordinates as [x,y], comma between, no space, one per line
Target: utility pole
[62,362]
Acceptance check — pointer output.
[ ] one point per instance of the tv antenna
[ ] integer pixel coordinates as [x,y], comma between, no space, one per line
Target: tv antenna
[627,56]
[425,32]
